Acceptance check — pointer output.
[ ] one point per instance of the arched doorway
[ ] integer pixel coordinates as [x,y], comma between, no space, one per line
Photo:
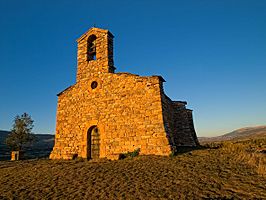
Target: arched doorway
[93,150]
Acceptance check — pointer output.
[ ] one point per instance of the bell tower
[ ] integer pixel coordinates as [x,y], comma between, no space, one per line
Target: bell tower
[95,53]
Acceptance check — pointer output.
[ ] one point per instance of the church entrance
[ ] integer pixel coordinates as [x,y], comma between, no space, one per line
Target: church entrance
[93,143]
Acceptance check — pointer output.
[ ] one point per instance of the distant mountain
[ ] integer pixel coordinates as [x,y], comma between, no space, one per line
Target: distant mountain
[39,149]
[4,153]
[242,133]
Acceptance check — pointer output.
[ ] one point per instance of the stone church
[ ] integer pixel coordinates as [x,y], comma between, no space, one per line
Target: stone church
[105,113]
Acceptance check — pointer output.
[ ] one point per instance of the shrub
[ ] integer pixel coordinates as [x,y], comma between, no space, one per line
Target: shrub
[129,154]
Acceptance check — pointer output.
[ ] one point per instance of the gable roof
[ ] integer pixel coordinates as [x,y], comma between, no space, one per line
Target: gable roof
[93,30]
[65,90]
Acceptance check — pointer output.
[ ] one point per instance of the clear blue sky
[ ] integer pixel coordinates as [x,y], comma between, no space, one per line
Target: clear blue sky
[211,53]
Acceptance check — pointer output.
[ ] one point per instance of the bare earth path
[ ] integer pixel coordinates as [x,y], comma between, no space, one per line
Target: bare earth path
[201,174]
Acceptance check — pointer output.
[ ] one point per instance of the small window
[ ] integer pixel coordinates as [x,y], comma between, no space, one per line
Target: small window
[91,48]
[94,85]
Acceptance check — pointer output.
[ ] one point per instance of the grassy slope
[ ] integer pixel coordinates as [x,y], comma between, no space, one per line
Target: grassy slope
[226,170]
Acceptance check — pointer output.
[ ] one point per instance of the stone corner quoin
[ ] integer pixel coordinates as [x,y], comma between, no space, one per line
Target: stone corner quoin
[105,113]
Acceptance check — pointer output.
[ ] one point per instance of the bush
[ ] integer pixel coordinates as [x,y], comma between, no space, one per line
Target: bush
[129,154]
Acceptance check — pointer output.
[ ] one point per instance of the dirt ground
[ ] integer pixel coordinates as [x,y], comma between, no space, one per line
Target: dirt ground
[199,174]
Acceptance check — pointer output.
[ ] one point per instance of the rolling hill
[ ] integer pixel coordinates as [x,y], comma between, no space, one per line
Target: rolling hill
[239,134]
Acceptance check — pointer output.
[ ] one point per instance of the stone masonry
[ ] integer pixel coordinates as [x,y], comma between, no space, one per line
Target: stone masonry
[105,113]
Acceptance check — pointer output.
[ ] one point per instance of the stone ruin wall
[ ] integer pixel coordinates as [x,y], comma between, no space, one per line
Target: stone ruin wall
[178,123]
[126,108]
[184,125]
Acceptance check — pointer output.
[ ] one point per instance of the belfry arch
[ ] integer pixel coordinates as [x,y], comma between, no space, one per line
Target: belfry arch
[91,48]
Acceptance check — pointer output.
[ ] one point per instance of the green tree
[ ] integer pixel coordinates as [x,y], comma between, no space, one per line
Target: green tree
[21,133]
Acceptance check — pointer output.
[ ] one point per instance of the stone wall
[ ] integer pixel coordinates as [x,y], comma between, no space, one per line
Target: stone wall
[178,122]
[184,126]
[126,109]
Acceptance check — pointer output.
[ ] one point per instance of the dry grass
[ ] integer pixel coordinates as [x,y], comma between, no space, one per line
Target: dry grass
[250,152]
[230,170]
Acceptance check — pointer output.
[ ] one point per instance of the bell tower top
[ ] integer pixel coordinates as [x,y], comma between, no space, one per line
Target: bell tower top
[95,53]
